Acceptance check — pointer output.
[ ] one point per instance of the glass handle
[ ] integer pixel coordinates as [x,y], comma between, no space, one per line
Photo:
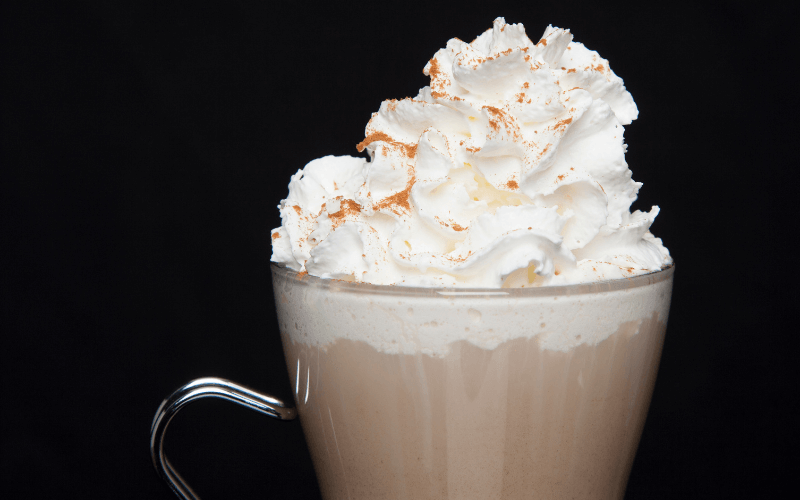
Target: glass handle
[209,387]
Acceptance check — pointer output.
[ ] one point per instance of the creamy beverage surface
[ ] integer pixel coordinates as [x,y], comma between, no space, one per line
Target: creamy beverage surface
[508,170]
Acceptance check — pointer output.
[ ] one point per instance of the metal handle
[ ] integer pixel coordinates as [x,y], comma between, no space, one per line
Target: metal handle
[209,387]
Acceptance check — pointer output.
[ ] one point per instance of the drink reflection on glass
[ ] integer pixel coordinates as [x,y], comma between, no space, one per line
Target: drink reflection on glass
[426,393]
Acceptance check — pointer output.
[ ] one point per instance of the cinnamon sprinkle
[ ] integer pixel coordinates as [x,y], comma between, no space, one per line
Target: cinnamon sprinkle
[512,184]
[397,200]
[497,113]
[438,81]
[563,124]
[375,136]
[410,149]
[346,208]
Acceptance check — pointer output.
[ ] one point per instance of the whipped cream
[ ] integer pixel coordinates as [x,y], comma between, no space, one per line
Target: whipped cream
[508,170]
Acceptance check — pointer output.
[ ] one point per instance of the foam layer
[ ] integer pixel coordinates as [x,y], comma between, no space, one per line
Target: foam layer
[412,323]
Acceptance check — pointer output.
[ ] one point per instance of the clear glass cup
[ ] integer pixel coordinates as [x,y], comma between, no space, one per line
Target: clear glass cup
[434,393]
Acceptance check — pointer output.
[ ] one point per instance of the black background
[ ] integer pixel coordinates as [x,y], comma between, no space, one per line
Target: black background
[145,148]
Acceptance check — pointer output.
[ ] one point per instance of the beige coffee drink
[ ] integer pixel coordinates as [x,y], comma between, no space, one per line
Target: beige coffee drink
[413,393]
[474,311]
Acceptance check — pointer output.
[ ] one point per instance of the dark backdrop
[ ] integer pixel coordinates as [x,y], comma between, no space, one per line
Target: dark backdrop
[145,148]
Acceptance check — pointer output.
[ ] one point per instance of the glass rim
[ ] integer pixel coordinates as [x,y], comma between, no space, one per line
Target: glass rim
[335,285]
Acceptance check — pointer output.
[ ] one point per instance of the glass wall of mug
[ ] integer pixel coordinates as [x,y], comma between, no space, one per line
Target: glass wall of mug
[425,393]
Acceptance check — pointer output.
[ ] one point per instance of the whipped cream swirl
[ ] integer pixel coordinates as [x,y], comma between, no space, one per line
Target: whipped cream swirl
[508,170]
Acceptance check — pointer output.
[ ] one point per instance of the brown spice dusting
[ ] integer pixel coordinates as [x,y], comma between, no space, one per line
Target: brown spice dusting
[397,200]
[410,149]
[473,149]
[542,42]
[498,116]
[375,136]
[434,71]
[561,177]
[453,258]
[526,85]
[302,274]
[346,208]
[512,184]
[563,124]
[456,227]
[571,70]
[298,209]
[276,235]
[438,80]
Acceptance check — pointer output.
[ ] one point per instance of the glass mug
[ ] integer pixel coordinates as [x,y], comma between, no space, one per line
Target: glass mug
[447,393]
